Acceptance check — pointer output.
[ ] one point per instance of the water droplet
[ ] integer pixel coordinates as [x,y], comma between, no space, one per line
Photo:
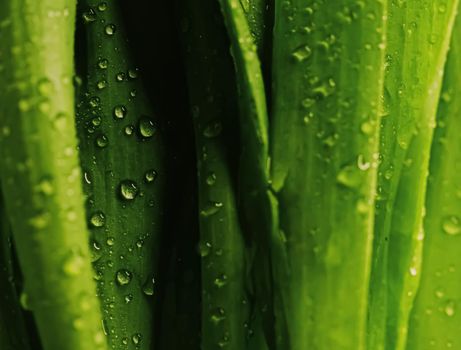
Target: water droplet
[73,264]
[148,287]
[367,128]
[129,129]
[348,176]
[45,87]
[213,129]
[110,29]
[450,308]
[211,179]
[120,112]
[136,339]
[98,219]
[220,281]
[103,63]
[147,127]
[102,6]
[94,101]
[89,16]
[211,208]
[128,298]
[120,76]
[133,73]
[95,250]
[102,84]
[302,53]
[150,175]
[128,189]
[24,301]
[102,141]
[218,315]
[204,249]
[123,277]
[451,225]
[413,271]
[110,241]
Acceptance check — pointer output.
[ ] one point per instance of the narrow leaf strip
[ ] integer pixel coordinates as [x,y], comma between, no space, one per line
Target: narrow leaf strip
[225,306]
[13,333]
[418,37]
[122,158]
[255,198]
[41,177]
[328,77]
[435,317]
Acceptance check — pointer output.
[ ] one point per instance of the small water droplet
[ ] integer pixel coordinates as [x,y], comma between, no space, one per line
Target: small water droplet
[150,175]
[148,287]
[73,264]
[213,129]
[220,281]
[102,6]
[147,127]
[98,219]
[89,16]
[120,112]
[102,84]
[204,249]
[211,208]
[451,225]
[129,129]
[450,308]
[133,73]
[128,189]
[120,76]
[123,277]
[211,179]
[103,63]
[110,241]
[102,141]
[302,53]
[136,339]
[218,315]
[110,29]
[128,298]
[96,252]
[348,176]
[24,301]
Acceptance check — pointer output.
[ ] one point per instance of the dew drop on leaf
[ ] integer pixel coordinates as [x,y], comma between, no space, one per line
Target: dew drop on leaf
[451,225]
[123,277]
[128,190]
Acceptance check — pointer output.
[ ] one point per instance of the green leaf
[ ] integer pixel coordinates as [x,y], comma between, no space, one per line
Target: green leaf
[40,173]
[328,76]
[122,156]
